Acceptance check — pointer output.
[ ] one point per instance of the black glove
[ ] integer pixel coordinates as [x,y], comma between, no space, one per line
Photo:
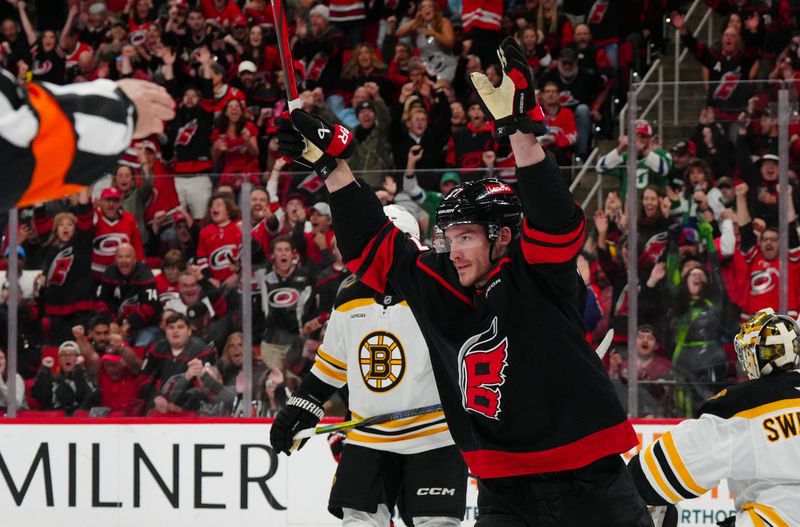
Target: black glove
[313,140]
[301,411]
[512,105]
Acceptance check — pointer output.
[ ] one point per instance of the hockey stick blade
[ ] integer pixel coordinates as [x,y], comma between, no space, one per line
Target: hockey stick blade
[602,349]
[360,423]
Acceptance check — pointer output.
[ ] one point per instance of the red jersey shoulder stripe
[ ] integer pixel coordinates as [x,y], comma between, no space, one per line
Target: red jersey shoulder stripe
[447,285]
[542,248]
[372,267]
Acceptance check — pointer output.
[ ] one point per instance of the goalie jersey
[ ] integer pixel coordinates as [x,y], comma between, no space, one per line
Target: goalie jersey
[749,434]
[374,345]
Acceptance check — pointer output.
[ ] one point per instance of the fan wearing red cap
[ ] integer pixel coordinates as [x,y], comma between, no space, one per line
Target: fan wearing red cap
[113,227]
[653,164]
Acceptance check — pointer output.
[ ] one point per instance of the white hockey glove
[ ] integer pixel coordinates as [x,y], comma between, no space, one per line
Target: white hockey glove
[512,105]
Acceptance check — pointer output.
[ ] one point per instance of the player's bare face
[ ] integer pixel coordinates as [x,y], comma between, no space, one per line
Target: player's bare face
[469,252]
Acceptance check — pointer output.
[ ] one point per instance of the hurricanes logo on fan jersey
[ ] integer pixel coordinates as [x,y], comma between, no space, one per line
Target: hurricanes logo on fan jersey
[764,281]
[186,133]
[283,297]
[727,85]
[60,267]
[598,12]
[222,257]
[482,360]
[382,361]
[107,244]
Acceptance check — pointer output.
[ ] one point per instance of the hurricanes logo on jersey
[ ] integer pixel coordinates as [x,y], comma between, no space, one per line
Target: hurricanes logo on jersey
[482,360]
[223,256]
[59,269]
[764,281]
[107,244]
[283,297]
[382,360]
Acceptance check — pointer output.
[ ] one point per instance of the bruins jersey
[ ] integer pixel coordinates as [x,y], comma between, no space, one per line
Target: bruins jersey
[374,345]
[748,433]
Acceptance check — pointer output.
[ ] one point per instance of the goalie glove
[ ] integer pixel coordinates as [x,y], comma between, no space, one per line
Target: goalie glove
[317,143]
[512,105]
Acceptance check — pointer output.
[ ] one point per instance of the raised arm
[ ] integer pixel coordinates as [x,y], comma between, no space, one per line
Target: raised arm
[73,12]
[30,33]
[56,140]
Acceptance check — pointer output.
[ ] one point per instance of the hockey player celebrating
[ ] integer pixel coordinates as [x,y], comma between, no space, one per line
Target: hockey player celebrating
[374,345]
[499,311]
[753,429]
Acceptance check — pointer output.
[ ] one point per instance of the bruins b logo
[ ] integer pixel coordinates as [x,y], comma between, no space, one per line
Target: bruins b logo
[382,360]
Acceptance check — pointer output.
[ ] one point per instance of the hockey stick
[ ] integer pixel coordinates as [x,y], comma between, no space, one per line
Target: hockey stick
[360,423]
[382,418]
[602,349]
[285,51]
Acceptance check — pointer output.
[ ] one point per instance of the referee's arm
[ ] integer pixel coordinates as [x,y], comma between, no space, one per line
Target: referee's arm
[55,140]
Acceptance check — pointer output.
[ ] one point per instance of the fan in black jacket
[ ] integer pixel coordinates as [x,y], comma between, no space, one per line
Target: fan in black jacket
[128,293]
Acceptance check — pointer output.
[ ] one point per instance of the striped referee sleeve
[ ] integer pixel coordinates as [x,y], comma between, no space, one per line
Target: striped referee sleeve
[55,140]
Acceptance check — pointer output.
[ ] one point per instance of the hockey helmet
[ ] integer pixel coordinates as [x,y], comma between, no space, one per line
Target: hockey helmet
[768,342]
[402,219]
[487,202]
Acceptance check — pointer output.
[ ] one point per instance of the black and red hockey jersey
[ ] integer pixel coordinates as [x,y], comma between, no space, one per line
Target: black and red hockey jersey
[282,302]
[69,286]
[133,298]
[728,95]
[190,140]
[603,21]
[110,234]
[522,390]
[467,146]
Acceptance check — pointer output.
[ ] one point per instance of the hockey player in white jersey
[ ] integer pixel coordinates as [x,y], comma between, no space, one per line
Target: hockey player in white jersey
[374,345]
[748,434]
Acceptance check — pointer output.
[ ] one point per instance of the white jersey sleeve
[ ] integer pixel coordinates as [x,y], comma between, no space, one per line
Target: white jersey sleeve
[751,438]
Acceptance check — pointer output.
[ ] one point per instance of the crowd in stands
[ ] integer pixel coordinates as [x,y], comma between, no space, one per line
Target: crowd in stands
[136,308]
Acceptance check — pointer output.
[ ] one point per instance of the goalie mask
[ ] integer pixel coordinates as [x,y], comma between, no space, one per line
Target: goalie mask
[488,202]
[768,342]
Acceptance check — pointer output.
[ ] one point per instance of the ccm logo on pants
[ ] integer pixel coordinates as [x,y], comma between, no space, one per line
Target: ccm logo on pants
[435,491]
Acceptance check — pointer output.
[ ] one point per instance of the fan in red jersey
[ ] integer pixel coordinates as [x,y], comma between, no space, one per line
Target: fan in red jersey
[218,248]
[113,227]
